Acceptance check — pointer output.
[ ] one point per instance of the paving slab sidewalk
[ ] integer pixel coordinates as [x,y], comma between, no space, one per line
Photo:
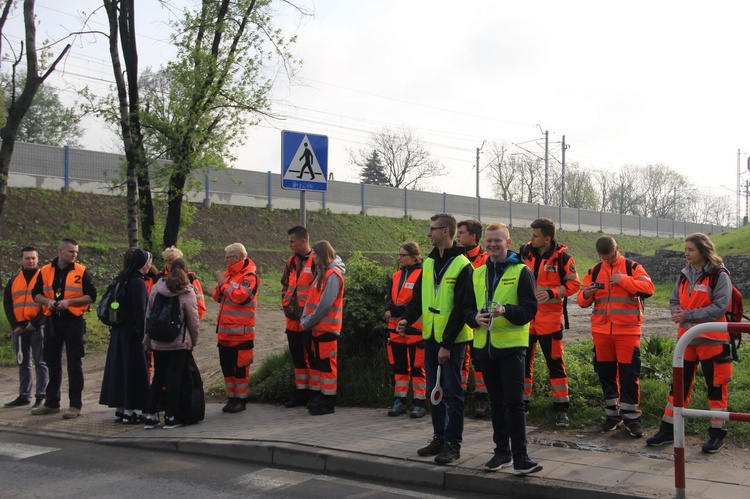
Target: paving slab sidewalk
[365,443]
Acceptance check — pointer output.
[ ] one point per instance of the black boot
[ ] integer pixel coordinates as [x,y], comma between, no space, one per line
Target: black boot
[238,406]
[314,399]
[326,406]
[299,398]
[229,404]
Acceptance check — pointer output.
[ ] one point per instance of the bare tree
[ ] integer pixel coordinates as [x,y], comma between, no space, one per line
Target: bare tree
[407,161]
[580,191]
[660,186]
[532,178]
[502,172]
[625,193]
[20,103]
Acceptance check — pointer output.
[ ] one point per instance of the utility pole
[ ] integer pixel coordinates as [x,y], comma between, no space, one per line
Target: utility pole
[546,167]
[562,194]
[479,200]
[738,187]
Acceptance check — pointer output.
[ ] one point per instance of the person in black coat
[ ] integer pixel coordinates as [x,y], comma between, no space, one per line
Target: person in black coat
[125,385]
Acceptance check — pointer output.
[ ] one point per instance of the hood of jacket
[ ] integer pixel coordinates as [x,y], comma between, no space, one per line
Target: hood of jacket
[161,288]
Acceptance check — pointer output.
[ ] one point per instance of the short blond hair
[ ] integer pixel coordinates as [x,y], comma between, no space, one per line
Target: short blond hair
[236,249]
[171,253]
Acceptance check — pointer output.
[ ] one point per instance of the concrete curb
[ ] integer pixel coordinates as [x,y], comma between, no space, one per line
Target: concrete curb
[377,468]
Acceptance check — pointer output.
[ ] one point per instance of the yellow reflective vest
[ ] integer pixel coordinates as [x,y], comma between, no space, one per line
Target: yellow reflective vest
[437,301]
[503,334]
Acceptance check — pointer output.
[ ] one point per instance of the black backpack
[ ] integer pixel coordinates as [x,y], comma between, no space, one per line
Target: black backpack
[163,322]
[109,309]
[192,406]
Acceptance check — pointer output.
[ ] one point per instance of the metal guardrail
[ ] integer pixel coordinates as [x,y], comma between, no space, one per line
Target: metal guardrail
[680,412]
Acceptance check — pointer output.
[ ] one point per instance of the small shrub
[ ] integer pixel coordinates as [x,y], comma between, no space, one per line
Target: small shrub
[274,379]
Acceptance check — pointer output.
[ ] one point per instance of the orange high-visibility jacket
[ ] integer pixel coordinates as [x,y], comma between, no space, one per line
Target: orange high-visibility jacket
[239,303]
[298,280]
[617,308]
[331,322]
[24,306]
[73,287]
[401,297]
[548,274]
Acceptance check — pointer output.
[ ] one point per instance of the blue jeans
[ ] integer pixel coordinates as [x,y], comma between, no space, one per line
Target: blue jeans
[31,346]
[448,415]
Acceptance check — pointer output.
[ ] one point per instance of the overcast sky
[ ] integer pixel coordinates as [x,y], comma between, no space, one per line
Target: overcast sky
[634,82]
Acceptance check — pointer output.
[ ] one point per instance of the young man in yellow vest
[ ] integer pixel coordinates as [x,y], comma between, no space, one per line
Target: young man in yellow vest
[500,306]
[25,318]
[437,297]
[65,291]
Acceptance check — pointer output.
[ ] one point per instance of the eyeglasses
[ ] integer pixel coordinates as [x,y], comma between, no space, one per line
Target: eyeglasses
[437,228]
[227,257]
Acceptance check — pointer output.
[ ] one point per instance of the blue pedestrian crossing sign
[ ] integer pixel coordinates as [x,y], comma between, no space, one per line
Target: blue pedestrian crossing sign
[304,161]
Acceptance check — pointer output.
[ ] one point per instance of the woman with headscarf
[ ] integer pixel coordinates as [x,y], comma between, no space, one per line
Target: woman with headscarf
[125,384]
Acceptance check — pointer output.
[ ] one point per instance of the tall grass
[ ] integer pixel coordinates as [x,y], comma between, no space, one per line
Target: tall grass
[586,403]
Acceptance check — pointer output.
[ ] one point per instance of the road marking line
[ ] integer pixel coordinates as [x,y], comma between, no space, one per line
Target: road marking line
[23,451]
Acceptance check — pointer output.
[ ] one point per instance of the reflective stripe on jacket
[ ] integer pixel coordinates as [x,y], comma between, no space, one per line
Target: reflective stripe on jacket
[400,297]
[73,287]
[239,302]
[503,333]
[437,301]
[701,295]
[331,322]
[24,306]
[547,272]
[617,308]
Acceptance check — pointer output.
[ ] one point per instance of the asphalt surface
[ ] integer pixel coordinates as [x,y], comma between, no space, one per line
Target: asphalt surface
[363,443]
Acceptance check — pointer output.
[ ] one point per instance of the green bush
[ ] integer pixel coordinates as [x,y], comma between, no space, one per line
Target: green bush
[274,379]
[364,304]
[586,402]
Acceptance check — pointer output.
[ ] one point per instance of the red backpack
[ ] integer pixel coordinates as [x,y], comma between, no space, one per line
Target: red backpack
[735,311]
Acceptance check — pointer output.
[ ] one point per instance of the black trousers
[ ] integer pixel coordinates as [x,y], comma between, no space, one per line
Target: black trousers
[504,377]
[59,333]
[169,366]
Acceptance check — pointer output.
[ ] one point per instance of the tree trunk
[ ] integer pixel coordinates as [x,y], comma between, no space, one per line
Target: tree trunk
[18,107]
[175,193]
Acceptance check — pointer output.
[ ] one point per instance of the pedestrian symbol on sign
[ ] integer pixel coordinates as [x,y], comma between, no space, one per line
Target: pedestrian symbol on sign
[304,164]
[304,161]
[309,159]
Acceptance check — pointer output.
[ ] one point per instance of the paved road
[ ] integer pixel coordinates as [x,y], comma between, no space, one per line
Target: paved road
[32,466]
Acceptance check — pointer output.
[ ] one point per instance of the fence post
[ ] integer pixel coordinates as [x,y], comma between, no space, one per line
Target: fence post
[269,204]
[601,223]
[207,183]
[579,219]
[657,226]
[538,210]
[479,208]
[510,213]
[406,202]
[362,196]
[324,201]
[66,185]
[640,230]
[560,225]
[445,202]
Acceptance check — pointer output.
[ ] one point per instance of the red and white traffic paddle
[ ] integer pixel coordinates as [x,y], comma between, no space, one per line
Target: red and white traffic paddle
[437,393]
